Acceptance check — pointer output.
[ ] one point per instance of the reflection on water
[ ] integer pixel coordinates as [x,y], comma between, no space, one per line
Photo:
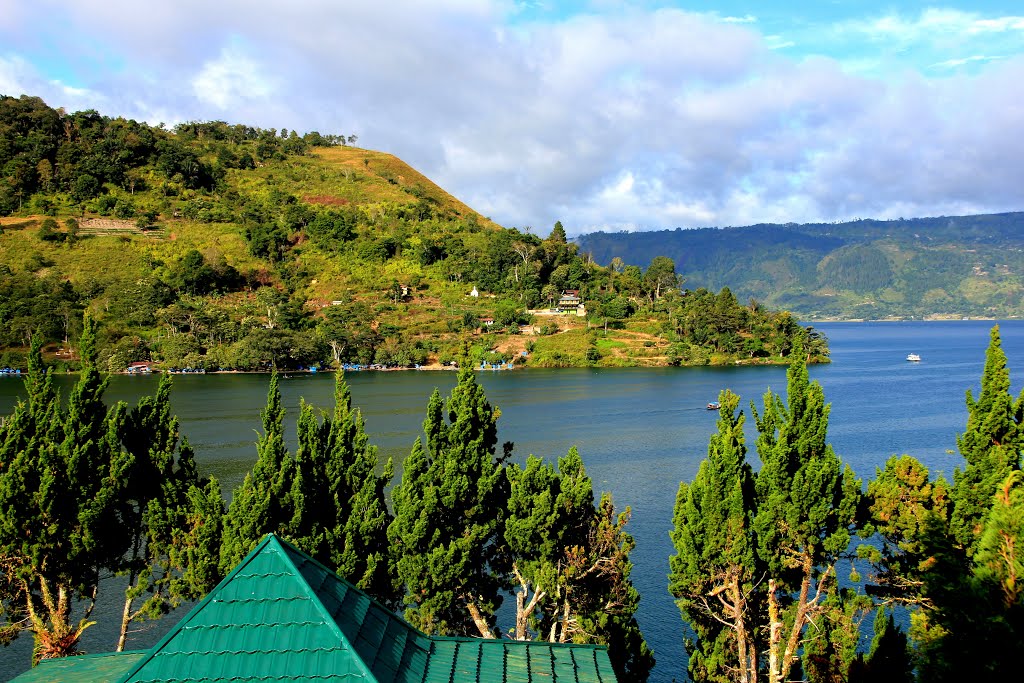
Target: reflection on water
[640,431]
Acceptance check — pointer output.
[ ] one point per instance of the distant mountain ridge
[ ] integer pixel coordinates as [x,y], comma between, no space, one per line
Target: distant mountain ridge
[947,266]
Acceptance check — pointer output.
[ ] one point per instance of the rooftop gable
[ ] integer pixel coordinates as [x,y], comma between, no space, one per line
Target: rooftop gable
[279,616]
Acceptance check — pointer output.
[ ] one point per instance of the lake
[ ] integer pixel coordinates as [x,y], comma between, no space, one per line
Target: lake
[640,431]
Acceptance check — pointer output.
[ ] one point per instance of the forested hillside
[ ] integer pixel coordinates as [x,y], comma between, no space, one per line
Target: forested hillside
[924,267]
[224,246]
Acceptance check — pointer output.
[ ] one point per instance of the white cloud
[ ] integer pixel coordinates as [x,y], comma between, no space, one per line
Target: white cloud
[953,63]
[640,119]
[13,72]
[231,78]
[932,24]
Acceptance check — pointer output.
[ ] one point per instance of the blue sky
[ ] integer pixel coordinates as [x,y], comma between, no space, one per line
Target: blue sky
[604,115]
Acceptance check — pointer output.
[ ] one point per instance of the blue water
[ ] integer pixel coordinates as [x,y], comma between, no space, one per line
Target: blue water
[640,431]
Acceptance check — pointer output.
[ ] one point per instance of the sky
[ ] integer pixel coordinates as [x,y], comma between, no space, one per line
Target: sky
[603,115]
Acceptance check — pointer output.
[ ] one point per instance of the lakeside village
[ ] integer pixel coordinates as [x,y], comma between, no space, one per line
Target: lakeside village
[569,303]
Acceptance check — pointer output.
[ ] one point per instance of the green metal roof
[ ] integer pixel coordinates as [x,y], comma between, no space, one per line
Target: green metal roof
[102,668]
[282,616]
[476,660]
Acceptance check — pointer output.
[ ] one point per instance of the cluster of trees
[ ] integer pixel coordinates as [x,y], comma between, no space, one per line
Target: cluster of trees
[51,157]
[200,311]
[88,490]
[756,569]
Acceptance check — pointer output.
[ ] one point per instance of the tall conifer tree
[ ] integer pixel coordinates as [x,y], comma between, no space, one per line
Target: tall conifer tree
[991,446]
[263,503]
[715,565]
[806,508]
[449,514]
[756,556]
[61,484]
[570,560]
[161,504]
[341,515]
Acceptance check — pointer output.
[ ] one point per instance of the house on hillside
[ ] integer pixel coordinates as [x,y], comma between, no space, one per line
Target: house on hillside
[282,616]
[570,302]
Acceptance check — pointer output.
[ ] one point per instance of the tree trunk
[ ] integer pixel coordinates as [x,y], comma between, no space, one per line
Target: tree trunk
[126,616]
[479,620]
[524,610]
[563,637]
[774,633]
[747,654]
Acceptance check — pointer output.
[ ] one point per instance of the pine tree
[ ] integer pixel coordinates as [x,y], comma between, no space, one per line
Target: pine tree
[536,532]
[888,660]
[158,508]
[806,508]
[60,490]
[87,491]
[448,516]
[341,514]
[991,446]
[198,553]
[715,565]
[830,645]
[570,559]
[33,426]
[263,503]
[607,601]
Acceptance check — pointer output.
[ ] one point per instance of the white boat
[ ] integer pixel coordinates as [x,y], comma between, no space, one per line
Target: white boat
[913,357]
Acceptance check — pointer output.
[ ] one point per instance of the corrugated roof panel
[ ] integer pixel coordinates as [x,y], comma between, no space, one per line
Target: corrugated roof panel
[517,664]
[389,654]
[565,667]
[98,668]
[414,659]
[372,632]
[441,661]
[492,664]
[541,663]
[467,661]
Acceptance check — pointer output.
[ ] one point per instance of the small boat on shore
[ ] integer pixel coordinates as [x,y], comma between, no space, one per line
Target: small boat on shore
[913,358]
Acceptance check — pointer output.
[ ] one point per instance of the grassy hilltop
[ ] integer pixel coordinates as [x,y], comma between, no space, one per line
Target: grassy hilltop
[225,246]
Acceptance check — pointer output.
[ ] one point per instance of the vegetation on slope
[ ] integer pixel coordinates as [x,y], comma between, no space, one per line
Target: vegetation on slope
[222,246]
[868,269]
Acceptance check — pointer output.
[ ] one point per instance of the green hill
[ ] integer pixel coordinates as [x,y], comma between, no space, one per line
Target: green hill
[224,246]
[927,267]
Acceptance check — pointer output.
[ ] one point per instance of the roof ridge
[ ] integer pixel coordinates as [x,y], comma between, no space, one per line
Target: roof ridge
[285,546]
[196,609]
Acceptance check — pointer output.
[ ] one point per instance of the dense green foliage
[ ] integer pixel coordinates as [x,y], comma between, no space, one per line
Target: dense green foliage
[327,498]
[952,553]
[570,562]
[948,266]
[87,490]
[224,246]
[756,557]
[448,516]
[468,527]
